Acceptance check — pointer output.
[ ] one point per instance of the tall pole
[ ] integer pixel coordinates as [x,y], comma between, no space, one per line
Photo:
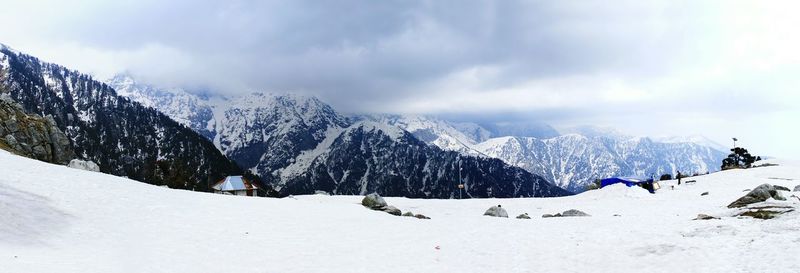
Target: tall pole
[459,180]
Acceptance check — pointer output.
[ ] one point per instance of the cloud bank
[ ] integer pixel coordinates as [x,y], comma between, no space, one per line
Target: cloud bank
[717,68]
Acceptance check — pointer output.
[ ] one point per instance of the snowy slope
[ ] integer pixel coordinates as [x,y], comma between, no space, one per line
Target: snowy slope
[102,223]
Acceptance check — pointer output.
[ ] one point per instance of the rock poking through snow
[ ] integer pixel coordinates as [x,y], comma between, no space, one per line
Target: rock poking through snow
[574,213]
[84,165]
[569,213]
[496,211]
[759,194]
[392,210]
[373,201]
[781,188]
[705,217]
[523,216]
[797,188]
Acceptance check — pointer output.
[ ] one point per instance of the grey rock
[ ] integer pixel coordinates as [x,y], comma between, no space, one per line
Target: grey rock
[574,213]
[781,188]
[523,216]
[408,214]
[704,194]
[373,201]
[496,211]
[797,188]
[392,210]
[420,216]
[11,141]
[569,213]
[83,165]
[705,217]
[39,152]
[759,194]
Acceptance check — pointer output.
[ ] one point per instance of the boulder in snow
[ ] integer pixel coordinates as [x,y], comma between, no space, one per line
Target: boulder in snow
[574,213]
[496,211]
[408,214]
[705,217]
[797,188]
[373,201]
[392,210]
[420,216]
[704,194]
[523,216]
[84,165]
[569,213]
[759,194]
[781,188]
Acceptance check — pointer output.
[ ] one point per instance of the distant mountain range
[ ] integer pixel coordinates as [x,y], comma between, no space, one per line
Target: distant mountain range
[572,160]
[282,137]
[300,145]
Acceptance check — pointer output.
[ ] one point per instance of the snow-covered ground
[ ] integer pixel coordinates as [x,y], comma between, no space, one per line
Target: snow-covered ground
[56,219]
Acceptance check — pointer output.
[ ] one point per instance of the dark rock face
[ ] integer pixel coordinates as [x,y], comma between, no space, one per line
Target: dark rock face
[31,135]
[759,194]
[123,137]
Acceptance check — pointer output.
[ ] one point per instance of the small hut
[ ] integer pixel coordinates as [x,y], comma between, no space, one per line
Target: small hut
[236,185]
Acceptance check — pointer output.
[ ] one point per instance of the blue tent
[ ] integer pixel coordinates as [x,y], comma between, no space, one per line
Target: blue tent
[630,182]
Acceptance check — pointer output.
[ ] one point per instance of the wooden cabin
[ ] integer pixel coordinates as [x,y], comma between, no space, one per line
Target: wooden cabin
[236,185]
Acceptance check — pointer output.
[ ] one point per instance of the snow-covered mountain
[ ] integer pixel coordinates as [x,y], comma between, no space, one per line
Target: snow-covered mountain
[573,160]
[299,144]
[123,137]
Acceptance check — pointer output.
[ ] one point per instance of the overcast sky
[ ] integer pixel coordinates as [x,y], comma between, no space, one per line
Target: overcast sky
[713,68]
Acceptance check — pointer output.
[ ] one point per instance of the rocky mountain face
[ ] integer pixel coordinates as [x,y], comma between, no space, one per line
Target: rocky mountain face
[299,145]
[32,135]
[574,160]
[123,137]
[372,157]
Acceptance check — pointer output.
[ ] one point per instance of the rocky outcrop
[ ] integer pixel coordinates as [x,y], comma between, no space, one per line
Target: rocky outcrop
[496,211]
[32,135]
[759,194]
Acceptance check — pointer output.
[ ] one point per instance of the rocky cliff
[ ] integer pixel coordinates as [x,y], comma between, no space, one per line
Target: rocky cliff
[32,135]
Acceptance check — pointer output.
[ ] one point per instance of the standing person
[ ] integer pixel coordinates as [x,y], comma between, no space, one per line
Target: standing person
[679,177]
